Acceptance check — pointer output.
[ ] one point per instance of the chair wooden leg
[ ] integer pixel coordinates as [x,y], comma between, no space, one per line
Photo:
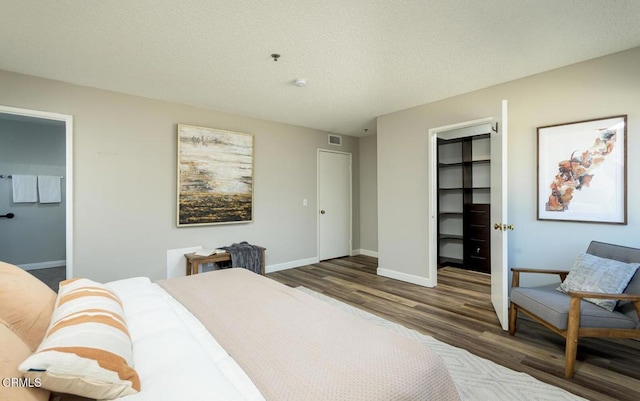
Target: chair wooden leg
[570,356]
[513,316]
[571,348]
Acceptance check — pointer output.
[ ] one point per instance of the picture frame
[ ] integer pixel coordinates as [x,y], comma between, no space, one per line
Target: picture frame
[582,171]
[214,176]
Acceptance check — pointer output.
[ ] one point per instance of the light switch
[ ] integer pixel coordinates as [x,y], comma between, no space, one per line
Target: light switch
[305,202]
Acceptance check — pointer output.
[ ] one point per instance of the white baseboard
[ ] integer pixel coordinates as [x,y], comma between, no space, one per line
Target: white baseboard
[364,252]
[409,278]
[43,265]
[290,265]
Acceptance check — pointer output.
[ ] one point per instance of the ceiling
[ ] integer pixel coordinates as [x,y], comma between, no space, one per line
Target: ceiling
[361,58]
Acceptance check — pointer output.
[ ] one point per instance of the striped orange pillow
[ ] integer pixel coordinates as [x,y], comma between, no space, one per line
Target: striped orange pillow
[87,348]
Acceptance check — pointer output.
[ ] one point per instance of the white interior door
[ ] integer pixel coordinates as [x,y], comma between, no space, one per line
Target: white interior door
[334,204]
[499,260]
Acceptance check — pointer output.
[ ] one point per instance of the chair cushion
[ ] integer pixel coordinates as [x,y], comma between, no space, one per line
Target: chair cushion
[634,284]
[26,304]
[553,307]
[616,252]
[14,387]
[595,274]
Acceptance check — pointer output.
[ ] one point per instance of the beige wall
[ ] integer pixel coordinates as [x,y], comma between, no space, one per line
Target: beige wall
[598,88]
[368,195]
[125,179]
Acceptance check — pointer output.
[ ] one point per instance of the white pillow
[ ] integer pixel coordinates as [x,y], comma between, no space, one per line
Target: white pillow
[594,274]
[87,348]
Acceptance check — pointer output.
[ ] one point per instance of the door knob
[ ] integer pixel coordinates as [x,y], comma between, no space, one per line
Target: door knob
[8,215]
[322,212]
[503,227]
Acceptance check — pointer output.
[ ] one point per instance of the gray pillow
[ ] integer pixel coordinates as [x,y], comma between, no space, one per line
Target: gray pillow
[593,274]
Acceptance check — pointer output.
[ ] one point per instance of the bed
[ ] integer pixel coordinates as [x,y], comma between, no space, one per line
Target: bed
[224,335]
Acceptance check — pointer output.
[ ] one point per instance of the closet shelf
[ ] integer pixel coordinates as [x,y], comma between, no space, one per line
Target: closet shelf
[450,165]
[447,261]
[456,237]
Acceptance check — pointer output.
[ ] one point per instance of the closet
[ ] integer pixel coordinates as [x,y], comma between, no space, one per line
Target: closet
[464,189]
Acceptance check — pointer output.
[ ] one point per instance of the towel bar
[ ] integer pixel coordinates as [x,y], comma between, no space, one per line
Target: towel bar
[10,176]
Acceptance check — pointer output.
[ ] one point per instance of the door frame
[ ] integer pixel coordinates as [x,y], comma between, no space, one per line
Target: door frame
[318,198]
[432,174]
[68,122]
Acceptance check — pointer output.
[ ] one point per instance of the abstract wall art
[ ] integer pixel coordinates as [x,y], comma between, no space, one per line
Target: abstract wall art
[582,171]
[215,176]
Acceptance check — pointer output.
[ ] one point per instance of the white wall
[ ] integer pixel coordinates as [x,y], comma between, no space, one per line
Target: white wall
[368,195]
[125,179]
[36,234]
[601,87]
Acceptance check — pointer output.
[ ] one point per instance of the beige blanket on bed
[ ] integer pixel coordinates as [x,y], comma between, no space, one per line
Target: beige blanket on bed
[295,347]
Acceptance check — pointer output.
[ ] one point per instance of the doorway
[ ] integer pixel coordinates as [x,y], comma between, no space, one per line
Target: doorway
[48,140]
[334,204]
[464,189]
[498,202]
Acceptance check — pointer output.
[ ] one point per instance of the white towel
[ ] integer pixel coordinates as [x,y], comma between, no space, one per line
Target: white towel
[24,188]
[49,189]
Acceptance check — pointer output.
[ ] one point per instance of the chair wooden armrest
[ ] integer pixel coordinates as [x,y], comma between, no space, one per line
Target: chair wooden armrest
[602,295]
[578,295]
[515,282]
[543,271]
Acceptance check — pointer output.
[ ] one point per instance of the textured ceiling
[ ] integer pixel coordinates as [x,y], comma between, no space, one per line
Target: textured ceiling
[362,58]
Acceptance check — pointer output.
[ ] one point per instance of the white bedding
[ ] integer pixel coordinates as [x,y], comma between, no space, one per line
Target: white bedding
[192,365]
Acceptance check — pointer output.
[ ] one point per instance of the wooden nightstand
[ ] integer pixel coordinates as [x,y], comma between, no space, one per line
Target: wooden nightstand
[194,261]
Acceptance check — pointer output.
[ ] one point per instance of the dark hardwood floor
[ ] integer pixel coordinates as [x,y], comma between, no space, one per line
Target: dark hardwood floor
[459,312]
[51,276]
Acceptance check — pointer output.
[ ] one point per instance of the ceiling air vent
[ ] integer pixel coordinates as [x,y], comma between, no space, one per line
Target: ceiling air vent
[335,140]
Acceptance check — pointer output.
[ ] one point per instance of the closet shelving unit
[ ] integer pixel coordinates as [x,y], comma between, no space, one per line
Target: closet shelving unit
[463,202]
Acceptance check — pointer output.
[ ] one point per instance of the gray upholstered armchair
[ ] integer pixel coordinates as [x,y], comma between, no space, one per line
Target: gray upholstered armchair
[569,315]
